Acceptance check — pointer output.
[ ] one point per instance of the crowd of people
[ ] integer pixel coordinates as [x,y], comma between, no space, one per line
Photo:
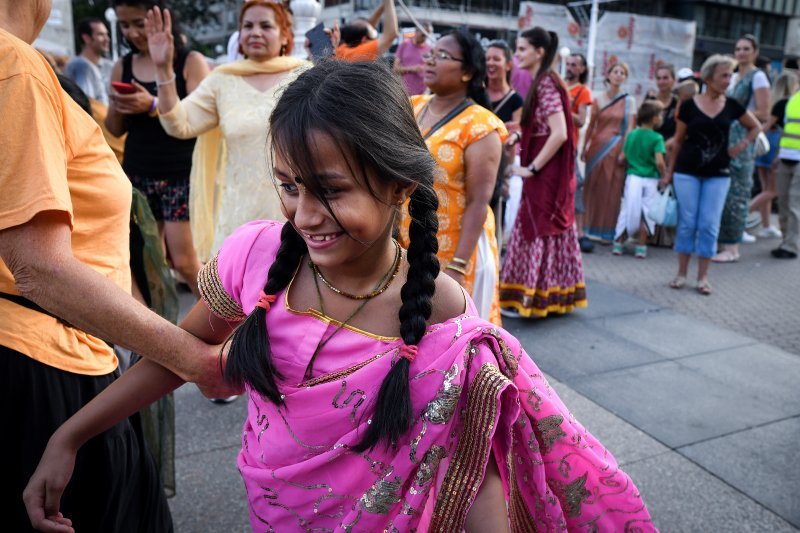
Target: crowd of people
[443,193]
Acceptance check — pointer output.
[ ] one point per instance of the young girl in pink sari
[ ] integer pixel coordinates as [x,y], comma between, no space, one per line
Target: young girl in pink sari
[377,399]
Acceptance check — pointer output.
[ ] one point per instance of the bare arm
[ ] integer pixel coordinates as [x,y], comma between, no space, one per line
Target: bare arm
[115,121]
[375,18]
[660,164]
[516,117]
[558,136]
[590,130]
[749,121]
[761,97]
[39,255]
[390,29]
[677,143]
[143,384]
[579,118]
[489,510]
[482,160]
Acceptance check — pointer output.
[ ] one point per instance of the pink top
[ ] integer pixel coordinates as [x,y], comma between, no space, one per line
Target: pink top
[474,391]
[409,54]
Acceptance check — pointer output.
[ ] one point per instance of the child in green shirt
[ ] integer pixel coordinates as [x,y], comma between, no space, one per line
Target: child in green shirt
[644,153]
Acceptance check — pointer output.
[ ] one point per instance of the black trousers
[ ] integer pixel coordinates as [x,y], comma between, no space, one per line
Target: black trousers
[115,486]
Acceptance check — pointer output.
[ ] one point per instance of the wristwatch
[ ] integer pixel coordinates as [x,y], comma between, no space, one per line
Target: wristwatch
[535,171]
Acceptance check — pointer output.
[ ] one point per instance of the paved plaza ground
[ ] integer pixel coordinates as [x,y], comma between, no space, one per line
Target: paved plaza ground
[697,397]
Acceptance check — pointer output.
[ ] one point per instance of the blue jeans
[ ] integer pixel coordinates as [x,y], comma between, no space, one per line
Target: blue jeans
[700,204]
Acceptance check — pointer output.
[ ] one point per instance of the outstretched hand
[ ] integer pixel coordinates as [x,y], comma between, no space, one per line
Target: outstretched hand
[42,495]
[158,27]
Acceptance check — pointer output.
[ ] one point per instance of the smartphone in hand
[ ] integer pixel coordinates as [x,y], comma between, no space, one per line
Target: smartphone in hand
[123,88]
[319,42]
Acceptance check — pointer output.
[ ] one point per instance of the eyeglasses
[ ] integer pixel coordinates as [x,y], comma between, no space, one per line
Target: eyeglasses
[439,54]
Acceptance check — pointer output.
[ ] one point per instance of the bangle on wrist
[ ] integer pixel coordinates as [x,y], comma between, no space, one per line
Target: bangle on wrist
[456,269]
[459,261]
[154,107]
[165,82]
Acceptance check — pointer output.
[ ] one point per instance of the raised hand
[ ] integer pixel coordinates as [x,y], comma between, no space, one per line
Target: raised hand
[158,27]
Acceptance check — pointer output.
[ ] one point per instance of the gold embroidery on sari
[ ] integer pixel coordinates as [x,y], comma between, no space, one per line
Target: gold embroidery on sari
[382,496]
[548,430]
[213,293]
[339,374]
[430,463]
[356,393]
[465,471]
[348,528]
[571,495]
[440,409]
[412,455]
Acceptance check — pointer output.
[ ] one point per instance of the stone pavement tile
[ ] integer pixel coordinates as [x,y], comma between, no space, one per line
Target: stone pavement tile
[767,375]
[624,441]
[605,300]
[765,465]
[568,348]
[202,426]
[210,495]
[675,404]
[671,334]
[684,498]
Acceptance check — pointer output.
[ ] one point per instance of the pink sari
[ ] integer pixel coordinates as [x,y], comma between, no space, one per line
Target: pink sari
[475,391]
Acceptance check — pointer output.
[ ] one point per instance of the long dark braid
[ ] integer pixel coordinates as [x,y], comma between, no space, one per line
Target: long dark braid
[393,415]
[250,357]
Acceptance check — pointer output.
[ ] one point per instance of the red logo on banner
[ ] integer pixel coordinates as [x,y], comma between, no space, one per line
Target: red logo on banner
[574,28]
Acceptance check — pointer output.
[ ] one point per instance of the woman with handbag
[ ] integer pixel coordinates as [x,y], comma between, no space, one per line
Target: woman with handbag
[466,140]
[700,167]
[750,87]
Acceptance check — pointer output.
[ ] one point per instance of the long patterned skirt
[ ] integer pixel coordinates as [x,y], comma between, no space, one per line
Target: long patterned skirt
[734,215]
[543,275]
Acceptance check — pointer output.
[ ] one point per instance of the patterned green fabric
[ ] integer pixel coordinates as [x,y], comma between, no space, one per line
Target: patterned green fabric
[158,419]
[734,214]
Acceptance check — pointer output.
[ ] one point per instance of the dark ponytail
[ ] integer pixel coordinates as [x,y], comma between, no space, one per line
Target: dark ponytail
[474,64]
[385,143]
[538,37]
[250,357]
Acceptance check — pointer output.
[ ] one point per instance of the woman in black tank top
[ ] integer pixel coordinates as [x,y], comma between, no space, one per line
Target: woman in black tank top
[157,164]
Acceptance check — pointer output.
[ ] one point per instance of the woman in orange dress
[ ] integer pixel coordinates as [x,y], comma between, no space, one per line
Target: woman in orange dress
[466,139]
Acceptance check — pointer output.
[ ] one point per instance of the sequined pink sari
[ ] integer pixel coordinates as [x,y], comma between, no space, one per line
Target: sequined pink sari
[475,392]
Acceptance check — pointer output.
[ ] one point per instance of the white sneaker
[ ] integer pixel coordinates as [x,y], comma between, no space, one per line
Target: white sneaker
[770,232]
[747,238]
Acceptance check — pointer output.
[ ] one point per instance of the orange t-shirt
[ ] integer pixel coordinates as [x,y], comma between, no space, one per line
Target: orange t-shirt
[366,51]
[579,95]
[54,158]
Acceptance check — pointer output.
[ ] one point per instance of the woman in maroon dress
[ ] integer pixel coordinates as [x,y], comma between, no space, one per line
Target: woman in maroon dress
[543,271]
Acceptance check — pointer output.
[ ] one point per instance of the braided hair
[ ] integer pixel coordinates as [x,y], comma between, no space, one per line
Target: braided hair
[364,109]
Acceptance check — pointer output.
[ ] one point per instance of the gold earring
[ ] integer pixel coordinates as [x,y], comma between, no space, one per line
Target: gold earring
[465,79]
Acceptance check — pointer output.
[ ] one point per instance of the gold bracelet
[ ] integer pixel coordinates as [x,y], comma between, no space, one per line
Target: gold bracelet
[456,269]
[458,261]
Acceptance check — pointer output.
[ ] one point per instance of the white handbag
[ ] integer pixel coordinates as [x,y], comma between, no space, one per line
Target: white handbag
[762,144]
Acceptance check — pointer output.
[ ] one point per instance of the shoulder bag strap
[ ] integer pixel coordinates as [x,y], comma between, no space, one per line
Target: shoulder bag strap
[450,116]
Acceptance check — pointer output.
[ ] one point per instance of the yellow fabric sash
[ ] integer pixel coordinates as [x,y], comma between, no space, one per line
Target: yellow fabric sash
[210,156]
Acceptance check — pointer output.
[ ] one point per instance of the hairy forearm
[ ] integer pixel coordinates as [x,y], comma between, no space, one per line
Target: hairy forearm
[471,227]
[93,303]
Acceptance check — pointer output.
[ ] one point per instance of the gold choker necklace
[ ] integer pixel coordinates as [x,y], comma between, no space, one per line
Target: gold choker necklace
[394,270]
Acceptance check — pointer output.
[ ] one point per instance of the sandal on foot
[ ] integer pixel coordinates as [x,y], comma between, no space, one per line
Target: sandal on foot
[704,287]
[725,256]
[678,282]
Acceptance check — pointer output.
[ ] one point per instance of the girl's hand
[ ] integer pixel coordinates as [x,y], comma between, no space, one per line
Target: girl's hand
[663,182]
[522,172]
[42,495]
[132,104]
[159,37]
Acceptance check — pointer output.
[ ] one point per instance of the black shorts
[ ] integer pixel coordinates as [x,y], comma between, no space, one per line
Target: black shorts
[168,199]
[115,485]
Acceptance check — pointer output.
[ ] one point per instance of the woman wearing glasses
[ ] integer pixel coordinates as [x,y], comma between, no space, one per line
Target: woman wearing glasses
[466,139]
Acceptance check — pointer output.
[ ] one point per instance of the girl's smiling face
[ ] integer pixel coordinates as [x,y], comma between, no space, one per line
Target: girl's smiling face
[131,23]
[363,219]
